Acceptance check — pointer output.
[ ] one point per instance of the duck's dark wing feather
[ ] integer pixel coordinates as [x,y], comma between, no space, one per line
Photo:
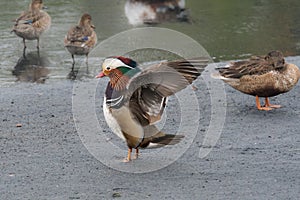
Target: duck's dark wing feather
[78,34]
[28,17]
[257,65]
[149,89]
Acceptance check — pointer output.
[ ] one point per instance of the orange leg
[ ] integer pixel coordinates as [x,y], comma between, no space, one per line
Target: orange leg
[259,107]
[267,104]
[136,155]
[128,159]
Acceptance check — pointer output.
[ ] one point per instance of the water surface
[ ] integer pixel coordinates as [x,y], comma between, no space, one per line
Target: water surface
[228,30]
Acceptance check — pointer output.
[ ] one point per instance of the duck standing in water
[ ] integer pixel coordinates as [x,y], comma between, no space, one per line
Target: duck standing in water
[261,76]
[135,98]
[32,23]
[81,38]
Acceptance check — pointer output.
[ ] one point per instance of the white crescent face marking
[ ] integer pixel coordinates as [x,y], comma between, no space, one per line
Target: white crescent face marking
[113,63]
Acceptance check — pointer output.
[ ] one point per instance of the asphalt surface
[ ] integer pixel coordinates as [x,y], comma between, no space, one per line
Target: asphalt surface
[43,155]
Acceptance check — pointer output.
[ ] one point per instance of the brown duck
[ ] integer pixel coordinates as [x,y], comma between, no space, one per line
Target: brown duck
[261,76]
[81,38]
[32,23]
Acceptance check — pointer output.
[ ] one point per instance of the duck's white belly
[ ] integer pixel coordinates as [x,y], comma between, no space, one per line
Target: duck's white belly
[120,120]
[111,121]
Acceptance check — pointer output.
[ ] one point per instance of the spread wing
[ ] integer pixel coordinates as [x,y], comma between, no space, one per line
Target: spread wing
[149,89]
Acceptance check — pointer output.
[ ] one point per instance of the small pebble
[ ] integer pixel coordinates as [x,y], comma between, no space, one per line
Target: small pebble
[116,195]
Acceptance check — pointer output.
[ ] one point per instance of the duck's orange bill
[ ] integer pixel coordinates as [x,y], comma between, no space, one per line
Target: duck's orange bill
[100,75]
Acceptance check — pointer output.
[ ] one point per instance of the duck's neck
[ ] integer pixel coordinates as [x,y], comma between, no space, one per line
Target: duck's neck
[119,78]
[119,82]
[34,8]
[84,23]
[86,27]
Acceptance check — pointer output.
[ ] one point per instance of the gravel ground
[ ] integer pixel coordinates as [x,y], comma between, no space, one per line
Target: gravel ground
[256,157]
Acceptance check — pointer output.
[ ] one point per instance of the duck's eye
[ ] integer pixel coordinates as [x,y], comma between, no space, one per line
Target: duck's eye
[107,68]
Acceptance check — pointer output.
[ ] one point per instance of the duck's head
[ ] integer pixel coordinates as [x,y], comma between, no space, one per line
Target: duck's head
[85,19]
[36,4]
[275,58]
[117,66]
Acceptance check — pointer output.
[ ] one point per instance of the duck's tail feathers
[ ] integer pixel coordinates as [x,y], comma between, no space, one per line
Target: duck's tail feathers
[167,139]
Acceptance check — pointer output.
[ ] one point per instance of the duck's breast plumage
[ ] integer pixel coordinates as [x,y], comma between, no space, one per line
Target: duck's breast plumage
[120,119]
[111,121]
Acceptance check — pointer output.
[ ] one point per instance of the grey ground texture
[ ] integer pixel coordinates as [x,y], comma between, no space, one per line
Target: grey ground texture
[43,157]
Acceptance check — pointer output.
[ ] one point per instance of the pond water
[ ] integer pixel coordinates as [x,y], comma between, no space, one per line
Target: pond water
[228,30]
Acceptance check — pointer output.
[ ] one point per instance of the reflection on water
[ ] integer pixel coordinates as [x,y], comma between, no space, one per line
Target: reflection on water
[140,12]
[228,30]
[78,73]
[31,67]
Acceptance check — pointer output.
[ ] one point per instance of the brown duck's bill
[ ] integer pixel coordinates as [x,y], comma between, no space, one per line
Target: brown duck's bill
[100,75]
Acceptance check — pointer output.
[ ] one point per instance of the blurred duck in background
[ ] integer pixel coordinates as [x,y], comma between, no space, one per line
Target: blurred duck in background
[32,23]
[141,12]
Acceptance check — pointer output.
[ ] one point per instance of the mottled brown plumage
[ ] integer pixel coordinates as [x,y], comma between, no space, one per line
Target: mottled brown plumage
[259,76]
[32,23]
[81,38]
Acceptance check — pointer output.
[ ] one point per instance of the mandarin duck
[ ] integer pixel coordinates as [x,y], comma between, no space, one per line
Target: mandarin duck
[261,76]
[136,97]
[81,38]
[32,23]
[140,12]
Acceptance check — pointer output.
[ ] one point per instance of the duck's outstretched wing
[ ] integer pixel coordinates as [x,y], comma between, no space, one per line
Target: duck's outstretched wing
[148,90]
